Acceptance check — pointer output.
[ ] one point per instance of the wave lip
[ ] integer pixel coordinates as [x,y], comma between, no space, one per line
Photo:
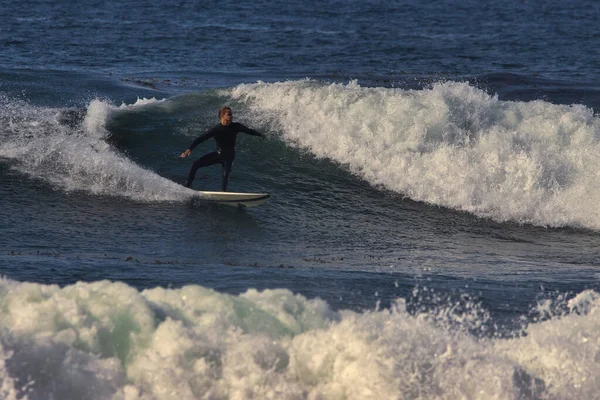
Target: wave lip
[451,145]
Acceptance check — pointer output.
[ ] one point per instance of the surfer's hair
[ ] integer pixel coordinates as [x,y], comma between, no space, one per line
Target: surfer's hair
[223,109]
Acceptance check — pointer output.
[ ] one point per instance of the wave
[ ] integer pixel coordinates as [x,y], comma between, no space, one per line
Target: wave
[105,340]
[451,145]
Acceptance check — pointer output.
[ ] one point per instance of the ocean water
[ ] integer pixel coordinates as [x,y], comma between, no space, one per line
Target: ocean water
[434,225]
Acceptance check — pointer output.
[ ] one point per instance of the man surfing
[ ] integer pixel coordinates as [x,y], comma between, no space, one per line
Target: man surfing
[225,135]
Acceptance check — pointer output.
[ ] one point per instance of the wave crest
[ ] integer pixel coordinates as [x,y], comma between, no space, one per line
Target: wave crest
[451,145]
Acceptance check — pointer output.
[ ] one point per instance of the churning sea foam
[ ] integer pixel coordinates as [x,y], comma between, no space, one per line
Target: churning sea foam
[452,145]
[106,340]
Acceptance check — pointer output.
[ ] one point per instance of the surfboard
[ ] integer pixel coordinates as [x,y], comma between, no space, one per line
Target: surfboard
[235,199]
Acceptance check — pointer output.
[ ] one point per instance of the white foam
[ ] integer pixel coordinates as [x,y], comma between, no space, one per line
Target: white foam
[106,340]
[78,158]
[451,145]
[140,102]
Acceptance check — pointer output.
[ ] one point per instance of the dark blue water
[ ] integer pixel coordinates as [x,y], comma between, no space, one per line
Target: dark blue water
[433,224]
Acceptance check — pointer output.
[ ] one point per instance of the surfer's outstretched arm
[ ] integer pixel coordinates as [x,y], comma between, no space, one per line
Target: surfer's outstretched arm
[198,140]
[249,131]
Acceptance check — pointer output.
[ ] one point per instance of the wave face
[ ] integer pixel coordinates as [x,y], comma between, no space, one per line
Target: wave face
[106,340]
[451,145]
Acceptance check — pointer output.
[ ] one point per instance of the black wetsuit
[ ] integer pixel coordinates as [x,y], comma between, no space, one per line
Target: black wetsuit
[225,137]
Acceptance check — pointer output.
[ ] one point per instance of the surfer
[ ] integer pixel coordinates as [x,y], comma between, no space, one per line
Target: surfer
[225,134]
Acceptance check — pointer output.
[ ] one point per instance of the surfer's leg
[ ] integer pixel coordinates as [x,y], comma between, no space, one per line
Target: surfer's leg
[227,165]
[204,161]
[227,158]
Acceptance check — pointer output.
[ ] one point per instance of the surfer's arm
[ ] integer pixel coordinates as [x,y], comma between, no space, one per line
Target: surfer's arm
[245,129]
[196,142]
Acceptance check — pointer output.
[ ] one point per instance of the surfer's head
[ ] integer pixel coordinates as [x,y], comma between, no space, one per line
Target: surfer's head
[225,115]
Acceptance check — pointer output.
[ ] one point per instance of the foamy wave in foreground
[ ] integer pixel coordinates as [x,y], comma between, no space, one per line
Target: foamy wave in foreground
[106,340]
[76,156]
[452,145]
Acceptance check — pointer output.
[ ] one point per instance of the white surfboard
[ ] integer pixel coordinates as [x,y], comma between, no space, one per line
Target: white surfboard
[235,199]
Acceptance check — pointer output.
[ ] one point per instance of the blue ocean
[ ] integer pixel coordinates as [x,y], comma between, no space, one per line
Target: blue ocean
[433,230]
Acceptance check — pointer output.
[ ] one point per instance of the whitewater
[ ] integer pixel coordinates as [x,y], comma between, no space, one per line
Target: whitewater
[105,340]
